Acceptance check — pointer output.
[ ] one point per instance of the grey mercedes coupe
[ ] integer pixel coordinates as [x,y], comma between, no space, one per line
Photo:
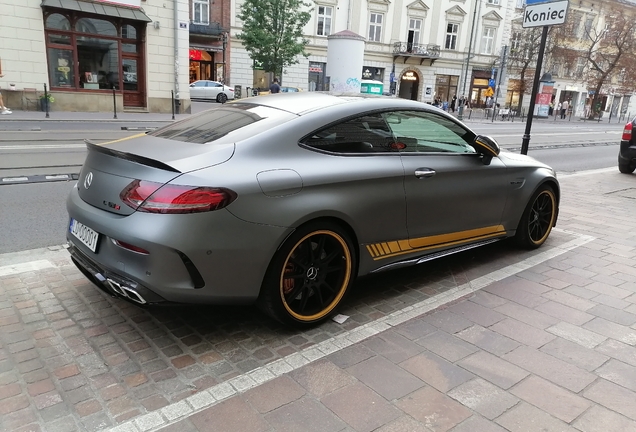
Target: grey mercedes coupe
[283,200]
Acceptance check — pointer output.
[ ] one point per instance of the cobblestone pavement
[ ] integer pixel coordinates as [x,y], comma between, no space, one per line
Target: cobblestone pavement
[493,339]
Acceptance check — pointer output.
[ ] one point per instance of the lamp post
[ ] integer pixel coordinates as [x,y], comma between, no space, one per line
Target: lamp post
[460,115]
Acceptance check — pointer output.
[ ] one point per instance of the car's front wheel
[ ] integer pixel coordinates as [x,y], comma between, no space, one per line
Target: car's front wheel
[537,219]
[309,275]
[221,98]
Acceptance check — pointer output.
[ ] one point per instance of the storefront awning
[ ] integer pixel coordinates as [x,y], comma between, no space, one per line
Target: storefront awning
[201,47]
[101,8]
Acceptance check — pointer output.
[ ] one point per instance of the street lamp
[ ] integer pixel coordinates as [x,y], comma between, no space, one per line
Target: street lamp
[460,115]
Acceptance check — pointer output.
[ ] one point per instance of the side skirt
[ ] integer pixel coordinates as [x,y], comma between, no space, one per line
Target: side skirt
[435,255]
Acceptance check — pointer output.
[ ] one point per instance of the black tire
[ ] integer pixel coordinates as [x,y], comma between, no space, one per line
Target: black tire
[309,275]
[221,98]
[538,218]
[625,167]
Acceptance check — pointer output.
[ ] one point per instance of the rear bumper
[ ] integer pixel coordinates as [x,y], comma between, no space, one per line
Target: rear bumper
[206,258]
[627,152]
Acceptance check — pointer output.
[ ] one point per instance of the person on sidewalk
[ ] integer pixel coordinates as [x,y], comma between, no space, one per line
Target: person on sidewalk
[275,87]
[564,109]
[558,110]
[3,109]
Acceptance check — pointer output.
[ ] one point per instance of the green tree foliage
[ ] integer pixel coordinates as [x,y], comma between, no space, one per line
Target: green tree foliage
[273,32]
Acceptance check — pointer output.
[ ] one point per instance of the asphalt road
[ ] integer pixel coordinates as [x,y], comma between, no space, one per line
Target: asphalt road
[33,215]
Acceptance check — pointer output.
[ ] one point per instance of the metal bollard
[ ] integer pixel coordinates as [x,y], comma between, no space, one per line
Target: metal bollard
[114,103]
[172,98]
[46,101]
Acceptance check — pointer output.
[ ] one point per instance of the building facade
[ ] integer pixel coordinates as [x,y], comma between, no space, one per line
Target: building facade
[418,49]
[209,53]
[89,52]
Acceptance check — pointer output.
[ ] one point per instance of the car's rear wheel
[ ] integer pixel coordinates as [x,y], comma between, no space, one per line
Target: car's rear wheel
[309,275]
[221,98]
[537,219]
[625,167]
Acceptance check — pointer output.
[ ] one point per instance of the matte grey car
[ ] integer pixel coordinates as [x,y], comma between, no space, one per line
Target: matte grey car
[285,199]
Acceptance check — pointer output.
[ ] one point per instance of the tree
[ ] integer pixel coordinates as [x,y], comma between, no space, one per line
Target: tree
[604,56]
[522,60]
[273,32]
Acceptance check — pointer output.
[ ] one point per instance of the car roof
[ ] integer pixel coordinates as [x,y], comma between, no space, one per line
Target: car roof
[304,102]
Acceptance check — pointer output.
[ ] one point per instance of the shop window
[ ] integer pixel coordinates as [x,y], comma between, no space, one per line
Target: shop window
[128,32]
[96,26]
[61,67]
[88,54]
[58,21]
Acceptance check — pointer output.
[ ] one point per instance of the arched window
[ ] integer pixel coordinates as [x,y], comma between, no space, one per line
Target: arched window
[96,26]
[57,21]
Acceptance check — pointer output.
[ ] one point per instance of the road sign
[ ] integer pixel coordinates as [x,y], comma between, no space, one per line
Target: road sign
[545,14]
[489,92]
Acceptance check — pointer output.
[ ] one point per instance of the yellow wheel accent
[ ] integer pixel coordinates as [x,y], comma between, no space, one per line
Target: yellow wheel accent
[315,275]
[541,217]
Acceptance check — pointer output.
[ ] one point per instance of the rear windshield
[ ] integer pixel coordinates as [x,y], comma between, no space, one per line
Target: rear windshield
[238,120]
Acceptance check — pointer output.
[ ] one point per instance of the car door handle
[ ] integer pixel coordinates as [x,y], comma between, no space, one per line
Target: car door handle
[424,172]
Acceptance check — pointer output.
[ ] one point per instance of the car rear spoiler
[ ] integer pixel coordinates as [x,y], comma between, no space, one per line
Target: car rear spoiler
[92,146]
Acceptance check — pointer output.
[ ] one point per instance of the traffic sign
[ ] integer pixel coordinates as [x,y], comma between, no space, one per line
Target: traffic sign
[545,14]
[489,92]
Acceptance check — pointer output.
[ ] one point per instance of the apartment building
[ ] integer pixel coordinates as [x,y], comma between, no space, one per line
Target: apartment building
[419,49]
[88,51]
[208,53]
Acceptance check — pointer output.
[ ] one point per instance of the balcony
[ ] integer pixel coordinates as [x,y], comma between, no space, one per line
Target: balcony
[212,29]
[421,51]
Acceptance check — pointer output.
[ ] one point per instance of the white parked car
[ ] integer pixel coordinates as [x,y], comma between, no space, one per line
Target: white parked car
[205,89]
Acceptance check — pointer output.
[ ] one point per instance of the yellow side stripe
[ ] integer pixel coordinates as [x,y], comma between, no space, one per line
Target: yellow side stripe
[400,247]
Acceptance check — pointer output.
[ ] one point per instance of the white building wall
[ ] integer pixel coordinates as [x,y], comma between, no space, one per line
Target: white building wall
[353,15]
[22,47]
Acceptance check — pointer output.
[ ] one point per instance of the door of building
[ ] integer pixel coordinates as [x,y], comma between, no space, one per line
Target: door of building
[132,78]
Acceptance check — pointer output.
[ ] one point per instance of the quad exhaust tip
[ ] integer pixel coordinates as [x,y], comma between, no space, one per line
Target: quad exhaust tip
[125,291]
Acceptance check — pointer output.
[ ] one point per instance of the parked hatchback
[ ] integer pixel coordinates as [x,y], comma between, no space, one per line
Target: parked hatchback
[627,152]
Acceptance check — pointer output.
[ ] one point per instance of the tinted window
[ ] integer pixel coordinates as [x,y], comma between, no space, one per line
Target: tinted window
[365,134]
[198,84]
[423,132]
[216,123]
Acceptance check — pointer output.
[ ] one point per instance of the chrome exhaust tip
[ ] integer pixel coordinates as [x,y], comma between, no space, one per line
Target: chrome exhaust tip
[125,291]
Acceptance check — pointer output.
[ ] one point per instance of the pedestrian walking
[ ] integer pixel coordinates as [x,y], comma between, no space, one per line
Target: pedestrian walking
[275,87]
[558,110]
[564,108]
[445,105]
[453,103]
[3,109]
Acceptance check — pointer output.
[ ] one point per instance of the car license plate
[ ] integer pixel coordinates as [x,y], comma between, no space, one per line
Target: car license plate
[84,234]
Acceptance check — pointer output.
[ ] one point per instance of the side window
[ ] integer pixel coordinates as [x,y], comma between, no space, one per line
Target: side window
[365,134]
[199,84]
[426,132]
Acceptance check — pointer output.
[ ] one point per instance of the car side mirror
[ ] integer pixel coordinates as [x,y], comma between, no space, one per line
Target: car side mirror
[487,146]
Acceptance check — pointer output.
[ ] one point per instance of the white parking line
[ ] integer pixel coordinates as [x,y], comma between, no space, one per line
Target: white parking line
[178,411]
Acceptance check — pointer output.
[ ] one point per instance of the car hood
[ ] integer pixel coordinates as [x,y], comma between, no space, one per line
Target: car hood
[178,155]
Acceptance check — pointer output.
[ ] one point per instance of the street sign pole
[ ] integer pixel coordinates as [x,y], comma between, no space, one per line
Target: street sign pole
[535,14]
[525,142]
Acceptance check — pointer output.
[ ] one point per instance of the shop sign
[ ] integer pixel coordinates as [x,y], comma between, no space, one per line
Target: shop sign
[257,65]
[409,76]
[315,67]
[195,54]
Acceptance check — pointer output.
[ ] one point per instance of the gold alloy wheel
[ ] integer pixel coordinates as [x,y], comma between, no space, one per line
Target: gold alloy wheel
[541,217]
[315,275]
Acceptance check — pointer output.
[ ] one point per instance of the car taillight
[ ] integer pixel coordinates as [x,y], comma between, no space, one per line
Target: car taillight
[131,247]
[232,90]
[154,197]
[627,132]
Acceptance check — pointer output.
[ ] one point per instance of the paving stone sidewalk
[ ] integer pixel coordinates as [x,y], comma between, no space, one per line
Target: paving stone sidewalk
[493,340]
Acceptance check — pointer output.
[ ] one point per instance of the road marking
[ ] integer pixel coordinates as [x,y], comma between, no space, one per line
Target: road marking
[175,412]
[42,146]
[57,177]
[15,179]
[14,269]
[496,135]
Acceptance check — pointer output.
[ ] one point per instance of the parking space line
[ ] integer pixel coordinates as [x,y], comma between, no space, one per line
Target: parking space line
[178,411]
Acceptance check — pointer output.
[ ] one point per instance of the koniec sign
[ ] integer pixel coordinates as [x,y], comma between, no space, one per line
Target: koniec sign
[538,14]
